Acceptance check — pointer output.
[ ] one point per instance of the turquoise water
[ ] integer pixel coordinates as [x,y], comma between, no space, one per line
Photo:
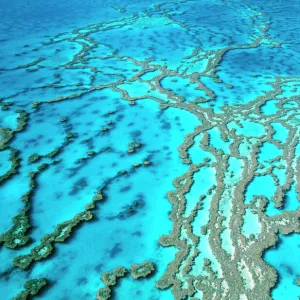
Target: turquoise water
[139,99]
[281,132]
[286,266]
[254,188]
[251,224]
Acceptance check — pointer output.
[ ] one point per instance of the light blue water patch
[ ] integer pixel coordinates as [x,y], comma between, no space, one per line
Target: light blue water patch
[219,89]
[30,80]
[269,108]
[182,87]
[193,64]
[99,50]
[297,149]
[11,193]
[43,134]
[59,54]
[8,119]
[144,288]
[281,175]
[25,99]
[290,203]
[197,154]
[237,90]
[284,258]
[66,185]
[15,276]
[290,104]
[216,141]
[115,66]
[268,151]
[289,89]
[229,92]
[260,185]
[73,77]
[141,90]
[117,237]
[251,224]
[248,128]
[281,132]
[130,36]
[5,163]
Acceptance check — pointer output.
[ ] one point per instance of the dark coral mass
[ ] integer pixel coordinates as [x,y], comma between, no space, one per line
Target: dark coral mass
[150,149]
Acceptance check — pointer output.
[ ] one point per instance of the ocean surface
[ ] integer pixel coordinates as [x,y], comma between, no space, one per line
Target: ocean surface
[150,131]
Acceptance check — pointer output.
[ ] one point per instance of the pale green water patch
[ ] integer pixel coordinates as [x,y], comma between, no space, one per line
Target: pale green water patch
[226,242]
[244,148]
[150,75]
[203,181]
[198,295]
[192,66]
[206,252]
[232,176]
[247,276]
[202,217]
[251,224]
[225,203]
[235,168]
[150,22]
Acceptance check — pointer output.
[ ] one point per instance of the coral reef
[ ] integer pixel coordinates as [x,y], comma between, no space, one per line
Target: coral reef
[32,288]
[142,270]
[241,161]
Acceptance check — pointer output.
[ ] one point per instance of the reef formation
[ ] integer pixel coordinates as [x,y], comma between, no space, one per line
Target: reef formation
[66,155]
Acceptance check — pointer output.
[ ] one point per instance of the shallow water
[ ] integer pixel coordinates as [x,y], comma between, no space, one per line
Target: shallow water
[184,114]
[286,266]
